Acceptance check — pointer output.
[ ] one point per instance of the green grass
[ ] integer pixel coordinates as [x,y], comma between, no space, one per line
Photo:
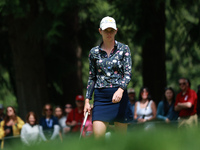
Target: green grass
[160,138]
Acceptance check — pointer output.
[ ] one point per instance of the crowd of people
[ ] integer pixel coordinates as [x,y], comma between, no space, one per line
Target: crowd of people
[182,108]
[57,123]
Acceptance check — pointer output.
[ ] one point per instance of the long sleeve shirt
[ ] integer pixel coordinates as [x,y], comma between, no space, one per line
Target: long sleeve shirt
[15,128]
[108,72]
[171,114]
[30,135]
[50,127]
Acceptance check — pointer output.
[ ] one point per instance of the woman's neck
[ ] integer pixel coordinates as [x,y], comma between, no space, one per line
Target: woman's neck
[169,101]
[144,100]
[108,45]
[12,118]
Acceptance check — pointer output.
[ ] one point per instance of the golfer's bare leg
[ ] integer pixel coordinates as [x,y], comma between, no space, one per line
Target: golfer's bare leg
[99,128]
[121,127]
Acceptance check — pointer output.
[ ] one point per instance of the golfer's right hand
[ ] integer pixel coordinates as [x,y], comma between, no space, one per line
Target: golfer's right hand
[87,107]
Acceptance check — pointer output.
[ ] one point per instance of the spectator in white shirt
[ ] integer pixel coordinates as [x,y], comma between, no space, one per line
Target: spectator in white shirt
[30,133]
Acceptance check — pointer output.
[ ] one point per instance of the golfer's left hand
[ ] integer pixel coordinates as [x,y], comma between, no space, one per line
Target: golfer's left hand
[117,96]
[87,107]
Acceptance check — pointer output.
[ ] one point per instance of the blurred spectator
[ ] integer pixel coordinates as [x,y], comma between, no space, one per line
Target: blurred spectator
[145,108]
[198,100]
[68,109]
[30,133]
[61,120]
[49,123]
[186,104]
[76,116]
[10,126]
[131,95]
[2,115]
[165,110]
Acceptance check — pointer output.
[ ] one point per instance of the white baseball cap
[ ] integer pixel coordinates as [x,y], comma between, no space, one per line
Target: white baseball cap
[131,90]
[108,22]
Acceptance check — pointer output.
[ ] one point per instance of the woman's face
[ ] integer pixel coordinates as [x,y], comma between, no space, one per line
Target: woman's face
[48,110]
[10,112]
[68,108]
[168,94]
[58,112]
[183,84]
[144,94]
[31,120]
[108,34]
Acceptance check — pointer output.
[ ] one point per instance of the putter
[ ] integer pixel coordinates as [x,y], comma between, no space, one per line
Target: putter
[86,115]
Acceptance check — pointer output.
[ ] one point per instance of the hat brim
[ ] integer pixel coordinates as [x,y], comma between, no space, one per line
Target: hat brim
[109,25]
[80,100]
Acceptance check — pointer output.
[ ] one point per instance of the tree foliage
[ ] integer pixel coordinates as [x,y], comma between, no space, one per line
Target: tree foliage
[182,41]
[51,39]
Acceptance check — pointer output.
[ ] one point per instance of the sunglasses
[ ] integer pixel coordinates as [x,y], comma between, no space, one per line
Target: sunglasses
[68,107]
[145,92]
[48,109]
[182,83]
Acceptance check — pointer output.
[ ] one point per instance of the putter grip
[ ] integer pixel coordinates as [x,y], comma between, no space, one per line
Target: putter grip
[86,115]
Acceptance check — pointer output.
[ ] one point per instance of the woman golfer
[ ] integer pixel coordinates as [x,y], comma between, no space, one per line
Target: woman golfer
[109,74]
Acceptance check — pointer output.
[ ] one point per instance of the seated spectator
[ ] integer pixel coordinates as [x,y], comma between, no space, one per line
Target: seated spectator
[10,126]
[198,100]
[76,116]
[49,123]
[30,133]
[145,108]
[61,120]
[131,96]
[2,115]
[186,105]
[165,110]
[68,109]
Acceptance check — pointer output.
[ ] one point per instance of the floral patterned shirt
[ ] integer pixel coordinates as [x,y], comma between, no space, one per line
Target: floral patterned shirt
[108,72]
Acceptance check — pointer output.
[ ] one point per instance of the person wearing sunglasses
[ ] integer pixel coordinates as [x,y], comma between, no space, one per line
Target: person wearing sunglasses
[186,104]
[49,123]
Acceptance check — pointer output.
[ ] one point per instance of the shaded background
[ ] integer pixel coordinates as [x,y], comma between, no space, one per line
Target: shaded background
[44,46]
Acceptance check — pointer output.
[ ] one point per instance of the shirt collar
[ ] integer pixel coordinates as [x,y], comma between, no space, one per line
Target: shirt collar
[115,46]
[187,91]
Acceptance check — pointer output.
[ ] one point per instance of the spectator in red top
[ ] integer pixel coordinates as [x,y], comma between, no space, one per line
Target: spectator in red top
[76,116]
[186,104]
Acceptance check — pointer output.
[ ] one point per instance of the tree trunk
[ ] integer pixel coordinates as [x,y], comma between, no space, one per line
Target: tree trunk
[153,50]
[29,68]
[72,81]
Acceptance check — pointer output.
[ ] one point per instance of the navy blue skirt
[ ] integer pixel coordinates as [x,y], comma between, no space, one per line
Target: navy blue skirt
[107,111]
